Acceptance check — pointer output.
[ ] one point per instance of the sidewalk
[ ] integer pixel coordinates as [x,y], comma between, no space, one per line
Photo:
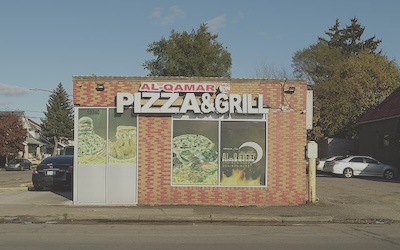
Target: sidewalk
[19,206]
[148,214]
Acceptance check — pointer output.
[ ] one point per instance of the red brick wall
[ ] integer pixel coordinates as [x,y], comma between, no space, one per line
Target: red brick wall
[286,140]
[286,179]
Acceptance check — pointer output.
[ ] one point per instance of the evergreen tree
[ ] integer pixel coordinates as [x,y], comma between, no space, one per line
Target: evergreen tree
[58,123]
[195,54]
[348,39]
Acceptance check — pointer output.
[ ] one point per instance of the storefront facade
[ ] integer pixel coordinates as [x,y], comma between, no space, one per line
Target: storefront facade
[177,141]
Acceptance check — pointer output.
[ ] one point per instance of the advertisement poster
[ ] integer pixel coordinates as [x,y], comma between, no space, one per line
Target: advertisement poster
[92,133]
[195,153]
[122,141]
[243,160]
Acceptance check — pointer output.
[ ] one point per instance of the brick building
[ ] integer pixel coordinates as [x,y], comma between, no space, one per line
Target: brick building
[177,140]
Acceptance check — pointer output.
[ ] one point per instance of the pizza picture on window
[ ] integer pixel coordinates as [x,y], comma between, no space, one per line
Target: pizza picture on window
[195,160]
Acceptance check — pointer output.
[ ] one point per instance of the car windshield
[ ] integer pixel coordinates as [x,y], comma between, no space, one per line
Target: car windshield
[15,161]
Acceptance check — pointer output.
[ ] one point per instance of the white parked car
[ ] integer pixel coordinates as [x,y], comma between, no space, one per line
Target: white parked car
[321,162]
[357,165]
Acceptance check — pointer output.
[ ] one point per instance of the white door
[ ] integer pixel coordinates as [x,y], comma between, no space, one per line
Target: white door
[105,169]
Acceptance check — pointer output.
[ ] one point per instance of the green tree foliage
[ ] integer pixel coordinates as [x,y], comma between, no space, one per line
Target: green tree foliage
[12,134]
[348,39]
[350,77]
[358,85]
[195,54]
[317,62]
[58,123]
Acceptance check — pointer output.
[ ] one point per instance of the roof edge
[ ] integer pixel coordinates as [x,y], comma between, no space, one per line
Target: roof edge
[377,120]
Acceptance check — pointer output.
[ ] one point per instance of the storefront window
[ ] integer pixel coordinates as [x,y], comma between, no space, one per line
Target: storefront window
[92,134]
[106,137]
[195,153]
[122,137]
[242,153]
[214,150]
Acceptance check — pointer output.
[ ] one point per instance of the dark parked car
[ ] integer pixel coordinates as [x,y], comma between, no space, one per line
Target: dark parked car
[18,164]
[54,171]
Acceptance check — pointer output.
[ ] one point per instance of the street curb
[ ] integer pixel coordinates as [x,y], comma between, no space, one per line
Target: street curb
[166,219]
[245,218]
[13,189]
[22,187]
[308,219]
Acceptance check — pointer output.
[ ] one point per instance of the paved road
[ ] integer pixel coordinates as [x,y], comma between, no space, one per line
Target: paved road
[14,178]
[199,236]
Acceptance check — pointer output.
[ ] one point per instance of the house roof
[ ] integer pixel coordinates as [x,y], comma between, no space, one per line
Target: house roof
[34,141]
[389,108]
[33,123]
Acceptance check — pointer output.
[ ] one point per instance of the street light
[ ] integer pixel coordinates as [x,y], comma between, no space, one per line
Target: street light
[45,90]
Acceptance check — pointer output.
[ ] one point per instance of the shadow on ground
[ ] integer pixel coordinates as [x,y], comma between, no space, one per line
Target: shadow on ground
[64,192]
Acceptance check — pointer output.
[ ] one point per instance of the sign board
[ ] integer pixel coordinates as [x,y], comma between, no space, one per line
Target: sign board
[147,101]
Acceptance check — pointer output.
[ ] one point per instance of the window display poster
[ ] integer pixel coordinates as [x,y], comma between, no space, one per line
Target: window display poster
[122,141]
[92,134]
[195,153]
[242,151]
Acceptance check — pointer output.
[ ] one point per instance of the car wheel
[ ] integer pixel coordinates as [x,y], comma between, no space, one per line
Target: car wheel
[388,174]
[37,187]
[348,172]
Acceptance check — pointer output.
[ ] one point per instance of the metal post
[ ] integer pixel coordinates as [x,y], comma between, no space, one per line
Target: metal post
[312,180]
[312,154]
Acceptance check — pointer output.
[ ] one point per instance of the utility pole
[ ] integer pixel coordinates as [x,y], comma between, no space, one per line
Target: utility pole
[312,154]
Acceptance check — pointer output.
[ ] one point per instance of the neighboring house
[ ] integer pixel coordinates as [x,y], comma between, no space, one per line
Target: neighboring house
[329,147]
[379,131]
[35,145]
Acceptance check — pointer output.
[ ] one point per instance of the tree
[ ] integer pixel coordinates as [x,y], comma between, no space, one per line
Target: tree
[317,62]
[349,77]
[195,54]
[349,41]
[12,134]
[358,85]
[58,123]
[272,72]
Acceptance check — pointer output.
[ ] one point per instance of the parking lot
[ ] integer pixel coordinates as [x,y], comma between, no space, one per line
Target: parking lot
[351,200]
[330,189]
[357,190]
[9,179]
[21,181]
